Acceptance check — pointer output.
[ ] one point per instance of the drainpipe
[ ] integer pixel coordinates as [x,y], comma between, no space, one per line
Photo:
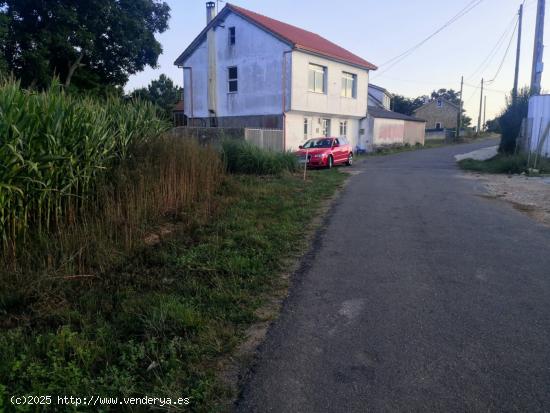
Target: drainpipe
[284,97]
[190,89]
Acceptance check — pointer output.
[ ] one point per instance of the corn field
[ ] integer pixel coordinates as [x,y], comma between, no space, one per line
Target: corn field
[53,149]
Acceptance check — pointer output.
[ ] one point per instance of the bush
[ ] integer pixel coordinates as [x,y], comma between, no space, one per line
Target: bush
[245,158]
[510,120]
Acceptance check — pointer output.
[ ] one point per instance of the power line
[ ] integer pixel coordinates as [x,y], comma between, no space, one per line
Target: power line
[395,60]
[485,63]
[505,54]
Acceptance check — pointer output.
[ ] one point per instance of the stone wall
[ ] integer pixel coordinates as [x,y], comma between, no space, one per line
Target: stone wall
[446,115]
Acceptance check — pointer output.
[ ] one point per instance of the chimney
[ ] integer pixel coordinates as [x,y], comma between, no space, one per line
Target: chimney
[210,11]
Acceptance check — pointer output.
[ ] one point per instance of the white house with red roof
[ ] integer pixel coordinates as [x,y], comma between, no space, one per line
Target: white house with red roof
[248,70]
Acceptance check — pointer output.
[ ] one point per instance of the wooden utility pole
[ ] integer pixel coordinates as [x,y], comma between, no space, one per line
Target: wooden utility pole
[516,76]
[484,112]
[480,108]
[459,117]
[536,71]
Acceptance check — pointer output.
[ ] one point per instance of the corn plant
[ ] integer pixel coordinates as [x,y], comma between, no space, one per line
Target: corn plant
[53,149]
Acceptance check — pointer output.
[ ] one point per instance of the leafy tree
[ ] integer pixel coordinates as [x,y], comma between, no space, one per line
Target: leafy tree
[161,92]
[3,36]
[405,105]
[510,120]
[448,94]
[92,42]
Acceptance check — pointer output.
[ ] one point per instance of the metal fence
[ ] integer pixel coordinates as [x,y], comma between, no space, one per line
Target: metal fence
[270,139]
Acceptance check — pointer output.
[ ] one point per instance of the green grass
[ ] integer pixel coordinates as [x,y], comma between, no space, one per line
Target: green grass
[159,322]
[245,158]
[505,164]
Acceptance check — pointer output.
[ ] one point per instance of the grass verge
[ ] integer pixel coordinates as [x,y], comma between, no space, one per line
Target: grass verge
[505,164]
[160,321]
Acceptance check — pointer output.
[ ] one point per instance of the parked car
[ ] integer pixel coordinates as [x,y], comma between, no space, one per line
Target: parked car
[325,152]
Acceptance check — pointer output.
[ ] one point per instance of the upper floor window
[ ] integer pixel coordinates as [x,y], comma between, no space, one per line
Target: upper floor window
[232,79]
[349,85]
[232,36]
[317,78]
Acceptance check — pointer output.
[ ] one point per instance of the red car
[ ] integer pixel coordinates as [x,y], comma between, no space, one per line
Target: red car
[326,152]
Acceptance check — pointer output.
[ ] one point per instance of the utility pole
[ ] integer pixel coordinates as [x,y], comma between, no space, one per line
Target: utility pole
[536,73]
[459,117]
[516,76]
[484,112]
[480,109]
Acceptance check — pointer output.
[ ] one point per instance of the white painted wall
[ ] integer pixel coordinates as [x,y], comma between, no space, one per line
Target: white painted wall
[295,128]
[538,119]
[330,102]
[258,57]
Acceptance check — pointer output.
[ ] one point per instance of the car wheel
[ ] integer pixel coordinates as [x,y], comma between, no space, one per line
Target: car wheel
[350,159]
[330,162]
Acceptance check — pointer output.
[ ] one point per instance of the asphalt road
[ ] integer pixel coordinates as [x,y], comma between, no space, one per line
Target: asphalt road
[418,296]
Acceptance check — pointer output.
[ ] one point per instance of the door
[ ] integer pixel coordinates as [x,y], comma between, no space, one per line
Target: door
[337,151]
[326,128]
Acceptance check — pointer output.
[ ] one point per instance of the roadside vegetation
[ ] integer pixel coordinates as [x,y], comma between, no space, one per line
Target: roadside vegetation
[133,262]
[506,164]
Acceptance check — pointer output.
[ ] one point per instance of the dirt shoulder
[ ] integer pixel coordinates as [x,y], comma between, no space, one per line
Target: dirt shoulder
[530,195]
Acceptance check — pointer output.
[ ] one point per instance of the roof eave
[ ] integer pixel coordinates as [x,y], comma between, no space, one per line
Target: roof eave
[334,58]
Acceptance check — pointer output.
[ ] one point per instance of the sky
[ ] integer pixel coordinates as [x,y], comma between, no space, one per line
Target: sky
[381,30]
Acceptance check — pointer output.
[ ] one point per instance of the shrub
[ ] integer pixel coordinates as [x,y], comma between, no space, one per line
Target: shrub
[510,120]
[245,158]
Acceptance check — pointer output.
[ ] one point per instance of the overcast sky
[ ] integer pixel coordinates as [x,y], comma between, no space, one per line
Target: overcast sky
[380,30]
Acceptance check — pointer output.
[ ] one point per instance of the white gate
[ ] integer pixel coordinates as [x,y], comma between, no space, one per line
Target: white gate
[270,139]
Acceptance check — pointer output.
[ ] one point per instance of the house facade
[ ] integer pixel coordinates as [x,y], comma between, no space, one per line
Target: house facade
[379,97]
[248,70]
[439,114]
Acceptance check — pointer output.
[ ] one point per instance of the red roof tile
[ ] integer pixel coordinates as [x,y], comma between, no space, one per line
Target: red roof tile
[302,39]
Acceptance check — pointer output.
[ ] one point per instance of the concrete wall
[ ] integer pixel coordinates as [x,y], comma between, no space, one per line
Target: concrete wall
[432,114]
[538,121]
[415,132]
[258,57]
[388,132]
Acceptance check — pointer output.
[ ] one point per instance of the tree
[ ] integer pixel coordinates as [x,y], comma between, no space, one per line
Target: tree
[510,120]
[450,95]
[92,42]
[405,105]
[161,92]
[3,36]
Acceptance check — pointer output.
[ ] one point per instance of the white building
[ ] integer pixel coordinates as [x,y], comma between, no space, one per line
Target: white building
[248,70]
[386,128]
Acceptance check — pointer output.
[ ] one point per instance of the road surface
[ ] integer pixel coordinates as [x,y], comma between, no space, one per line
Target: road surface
[419,295]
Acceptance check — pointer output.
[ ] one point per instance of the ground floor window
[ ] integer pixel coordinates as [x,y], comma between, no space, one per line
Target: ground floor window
[306,128]
[344,128]
[438,125]
[326,127]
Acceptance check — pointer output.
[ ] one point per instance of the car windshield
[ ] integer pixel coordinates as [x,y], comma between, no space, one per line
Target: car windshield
[318,143]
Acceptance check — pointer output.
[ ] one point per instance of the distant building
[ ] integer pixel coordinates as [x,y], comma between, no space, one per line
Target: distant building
[387,128]
[439,114]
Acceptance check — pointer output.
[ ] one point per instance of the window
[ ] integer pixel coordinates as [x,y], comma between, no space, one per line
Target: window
[438,125]
[344,128]
[232,79]
[349,81]
[317,78]
[231,36]
[326,127]
[439,103]
[306,128]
